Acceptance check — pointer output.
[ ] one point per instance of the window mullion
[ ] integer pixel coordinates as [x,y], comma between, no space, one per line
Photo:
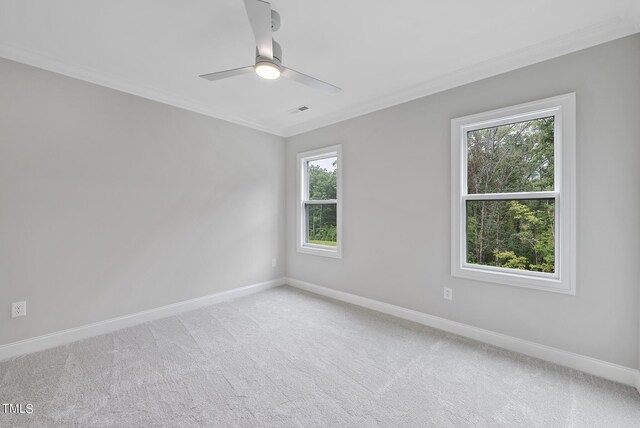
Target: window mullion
[320,202]
[514,195]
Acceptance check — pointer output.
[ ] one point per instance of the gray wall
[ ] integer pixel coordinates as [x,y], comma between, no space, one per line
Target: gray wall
[112,204]
[397,207]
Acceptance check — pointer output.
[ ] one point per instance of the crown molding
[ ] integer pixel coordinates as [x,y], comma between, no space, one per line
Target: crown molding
[589,36]
[602,32]
[34,59]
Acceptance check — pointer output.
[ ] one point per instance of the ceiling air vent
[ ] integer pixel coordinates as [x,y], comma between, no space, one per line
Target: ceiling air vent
[299,109]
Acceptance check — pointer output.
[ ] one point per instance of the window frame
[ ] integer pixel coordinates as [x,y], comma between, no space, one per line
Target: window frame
[563,108]
[303,200]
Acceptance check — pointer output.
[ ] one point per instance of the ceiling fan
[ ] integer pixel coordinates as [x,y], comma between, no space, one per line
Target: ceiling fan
[268,53]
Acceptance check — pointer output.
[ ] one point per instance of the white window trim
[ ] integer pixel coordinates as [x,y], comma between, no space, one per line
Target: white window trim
[563,107]
[302,192]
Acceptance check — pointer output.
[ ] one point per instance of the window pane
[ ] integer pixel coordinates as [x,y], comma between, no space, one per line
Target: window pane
[322,178]
[517,157]
[321,224]
[517,234]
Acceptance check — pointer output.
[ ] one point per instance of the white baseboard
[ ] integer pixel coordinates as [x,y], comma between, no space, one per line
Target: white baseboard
[614,372]
[63,337]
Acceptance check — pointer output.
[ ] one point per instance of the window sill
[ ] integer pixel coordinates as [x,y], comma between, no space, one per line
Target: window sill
[320,250]
[506,277]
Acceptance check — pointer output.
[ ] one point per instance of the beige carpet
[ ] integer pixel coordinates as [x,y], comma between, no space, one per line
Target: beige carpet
[285,358]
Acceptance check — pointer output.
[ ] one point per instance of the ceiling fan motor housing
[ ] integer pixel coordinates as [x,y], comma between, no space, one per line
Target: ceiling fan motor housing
[277,56]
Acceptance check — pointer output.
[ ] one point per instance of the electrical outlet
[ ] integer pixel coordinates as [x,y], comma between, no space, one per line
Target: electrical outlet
[18,309]
[274,262]
[448,293]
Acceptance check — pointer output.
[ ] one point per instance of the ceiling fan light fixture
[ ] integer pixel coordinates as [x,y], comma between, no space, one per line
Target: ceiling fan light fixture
[267,70]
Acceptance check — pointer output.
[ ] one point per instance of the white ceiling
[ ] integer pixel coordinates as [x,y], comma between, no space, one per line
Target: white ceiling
[379,53]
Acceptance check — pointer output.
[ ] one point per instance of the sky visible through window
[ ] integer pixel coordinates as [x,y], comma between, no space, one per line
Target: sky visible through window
[326,163]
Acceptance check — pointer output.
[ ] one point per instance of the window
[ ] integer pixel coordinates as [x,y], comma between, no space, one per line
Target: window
[513,195]
[320,202]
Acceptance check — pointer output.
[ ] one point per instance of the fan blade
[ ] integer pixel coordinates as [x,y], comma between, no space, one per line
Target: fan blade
[260,18]
[228,73]
[310,81]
